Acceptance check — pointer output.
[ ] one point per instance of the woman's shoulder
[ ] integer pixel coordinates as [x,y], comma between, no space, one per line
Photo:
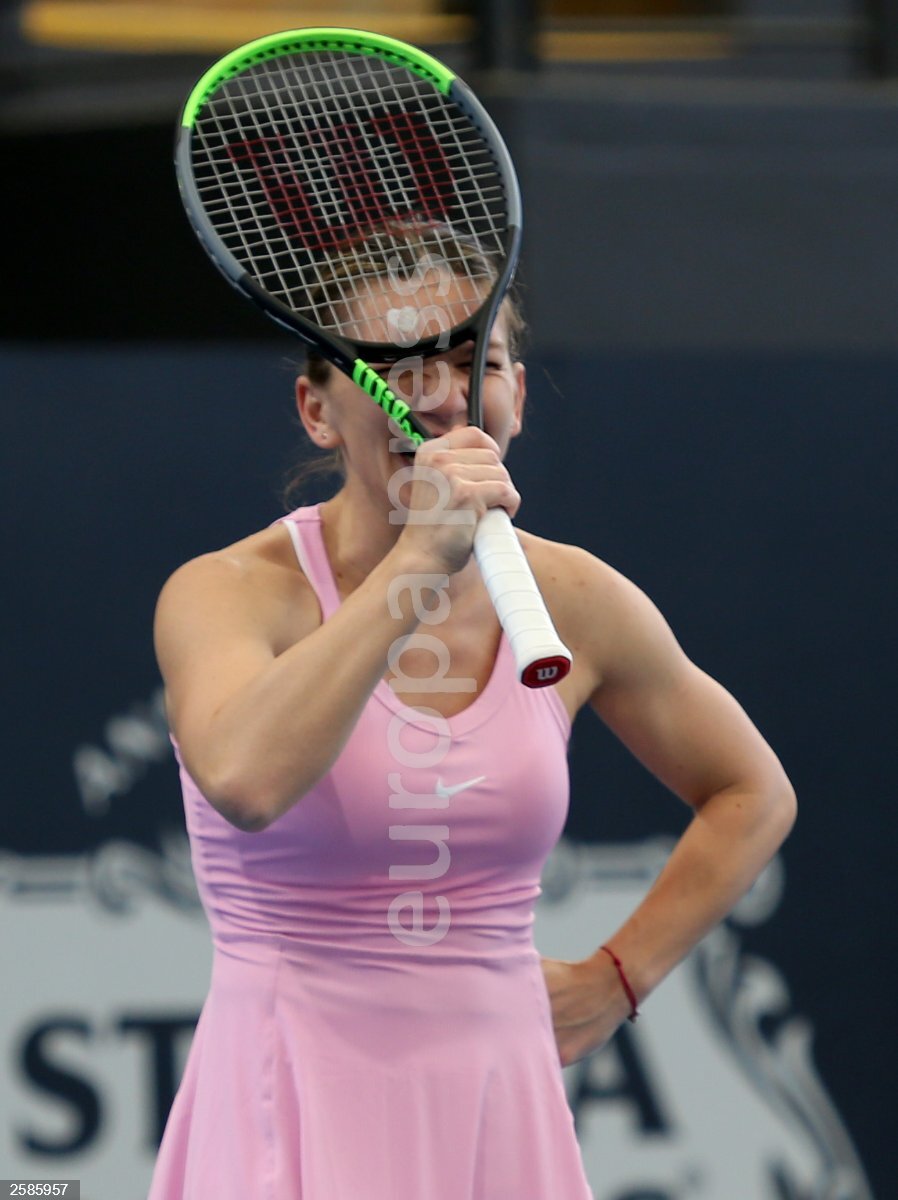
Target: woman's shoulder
[602,616]
[263,557]
[573,573]
[258,577]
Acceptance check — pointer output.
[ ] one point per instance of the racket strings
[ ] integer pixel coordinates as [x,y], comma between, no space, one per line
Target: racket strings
[308,164]
[430,263]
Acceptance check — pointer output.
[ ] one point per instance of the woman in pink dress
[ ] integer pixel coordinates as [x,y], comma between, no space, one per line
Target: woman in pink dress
[370,797]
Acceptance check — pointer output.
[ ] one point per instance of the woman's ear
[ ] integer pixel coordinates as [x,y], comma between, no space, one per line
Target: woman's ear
[314,411]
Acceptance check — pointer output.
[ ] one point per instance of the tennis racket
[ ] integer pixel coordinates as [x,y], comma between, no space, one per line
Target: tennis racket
[308,159]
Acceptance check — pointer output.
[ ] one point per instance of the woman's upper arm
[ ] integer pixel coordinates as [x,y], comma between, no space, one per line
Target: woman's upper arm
[214,632]
[679,722]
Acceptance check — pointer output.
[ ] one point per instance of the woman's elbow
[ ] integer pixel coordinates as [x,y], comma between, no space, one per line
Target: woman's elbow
[242,803]
[782,807]
[790,806]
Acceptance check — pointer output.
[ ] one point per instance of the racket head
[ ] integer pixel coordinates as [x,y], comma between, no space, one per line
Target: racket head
[308,159]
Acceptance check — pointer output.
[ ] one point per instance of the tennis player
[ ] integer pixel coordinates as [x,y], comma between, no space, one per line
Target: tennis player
[370,797]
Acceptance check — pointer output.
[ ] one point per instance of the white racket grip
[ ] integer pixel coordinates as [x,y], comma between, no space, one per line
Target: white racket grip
[540,655]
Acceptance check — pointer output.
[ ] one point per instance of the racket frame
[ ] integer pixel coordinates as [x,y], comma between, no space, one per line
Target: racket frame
[353,357]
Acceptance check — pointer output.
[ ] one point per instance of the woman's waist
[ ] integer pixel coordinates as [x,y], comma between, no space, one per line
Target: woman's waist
[410,933]
[337,976]
[377,918]
[354,1005]
[267,950]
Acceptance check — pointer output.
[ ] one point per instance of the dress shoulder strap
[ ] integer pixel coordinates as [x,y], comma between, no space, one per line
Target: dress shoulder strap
[304,527]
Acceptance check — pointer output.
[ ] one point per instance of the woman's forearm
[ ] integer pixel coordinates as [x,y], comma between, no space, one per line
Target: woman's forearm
[731,838]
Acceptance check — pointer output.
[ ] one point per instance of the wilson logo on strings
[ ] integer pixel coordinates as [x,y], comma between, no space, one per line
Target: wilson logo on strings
[326,185]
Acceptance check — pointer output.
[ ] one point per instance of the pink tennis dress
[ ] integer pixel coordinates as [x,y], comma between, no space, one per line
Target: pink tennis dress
[377,1026]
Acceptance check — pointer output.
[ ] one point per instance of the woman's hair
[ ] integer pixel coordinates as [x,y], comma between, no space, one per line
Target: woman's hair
[397,252]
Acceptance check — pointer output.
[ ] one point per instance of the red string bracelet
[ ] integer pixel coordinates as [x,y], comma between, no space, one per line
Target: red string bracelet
[625,982]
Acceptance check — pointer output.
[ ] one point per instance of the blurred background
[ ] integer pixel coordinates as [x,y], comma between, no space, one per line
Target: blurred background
[711,278]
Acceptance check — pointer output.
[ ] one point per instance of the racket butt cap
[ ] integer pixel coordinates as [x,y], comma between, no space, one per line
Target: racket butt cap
[546,671]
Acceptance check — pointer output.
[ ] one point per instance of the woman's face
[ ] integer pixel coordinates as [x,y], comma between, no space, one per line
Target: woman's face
[435,388]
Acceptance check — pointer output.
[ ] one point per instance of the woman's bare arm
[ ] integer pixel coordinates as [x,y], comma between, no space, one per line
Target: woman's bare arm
[256,728]
[696,739]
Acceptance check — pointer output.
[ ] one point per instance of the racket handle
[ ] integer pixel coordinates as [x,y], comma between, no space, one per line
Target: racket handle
[540,655]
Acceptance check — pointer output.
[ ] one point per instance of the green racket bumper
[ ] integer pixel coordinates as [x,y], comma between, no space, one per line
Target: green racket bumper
[310,41]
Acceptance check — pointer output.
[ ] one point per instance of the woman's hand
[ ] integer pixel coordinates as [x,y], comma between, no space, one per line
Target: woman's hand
[455,479]
[588,1004]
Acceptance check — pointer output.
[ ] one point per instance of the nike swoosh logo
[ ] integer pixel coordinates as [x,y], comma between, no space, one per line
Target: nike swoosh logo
[445,792]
